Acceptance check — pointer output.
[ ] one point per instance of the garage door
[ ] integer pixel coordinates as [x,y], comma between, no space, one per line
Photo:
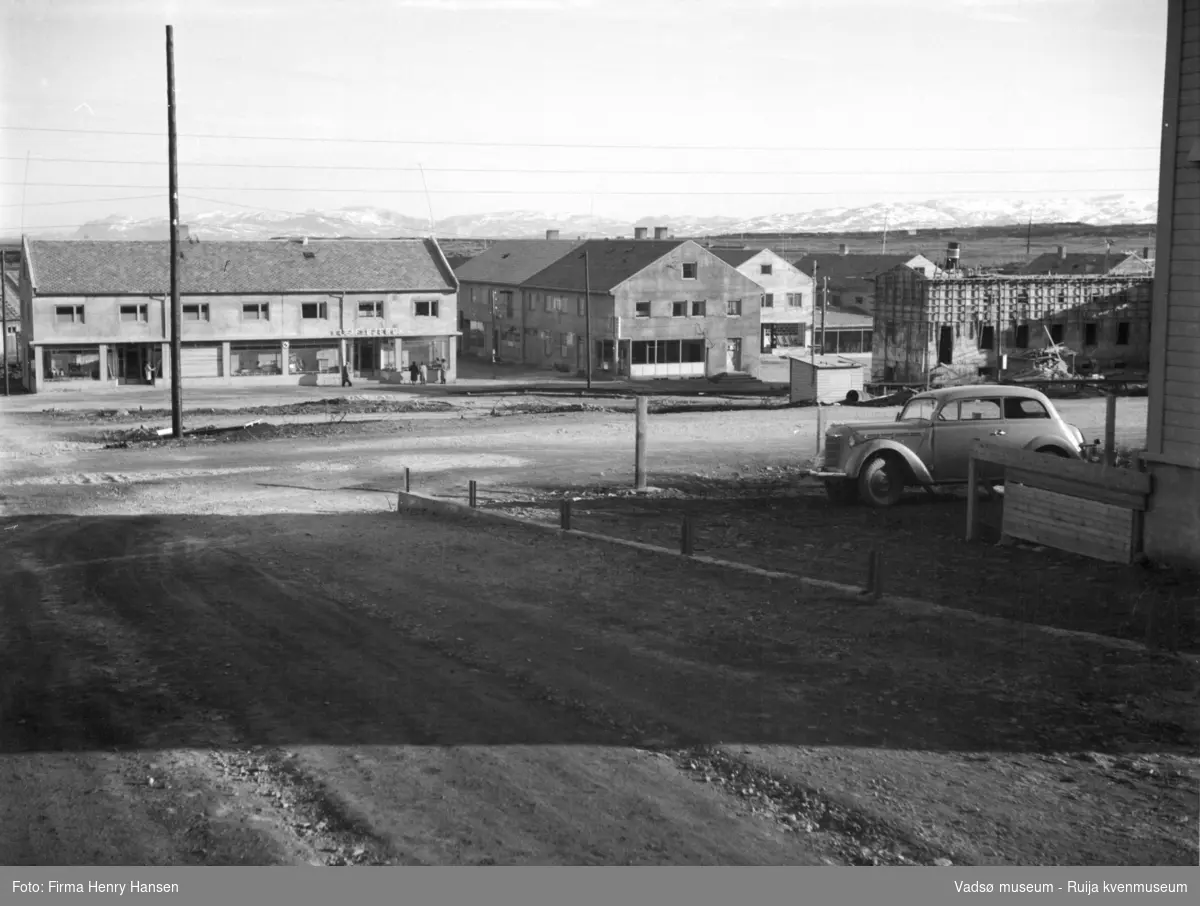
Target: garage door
[200,361]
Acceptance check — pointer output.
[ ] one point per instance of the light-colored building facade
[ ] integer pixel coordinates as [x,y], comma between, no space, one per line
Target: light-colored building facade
[658,308]
[12,309]
[786,315]
[847,280]
[962,325]
[1172,455]
[97,313]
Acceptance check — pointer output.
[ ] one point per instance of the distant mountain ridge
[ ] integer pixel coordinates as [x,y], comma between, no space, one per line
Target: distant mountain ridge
[367,222]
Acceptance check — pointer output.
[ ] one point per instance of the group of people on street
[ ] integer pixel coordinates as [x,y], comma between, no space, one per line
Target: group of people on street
[419,373]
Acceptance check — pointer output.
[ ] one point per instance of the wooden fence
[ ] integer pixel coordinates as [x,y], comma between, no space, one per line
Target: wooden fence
[1081,507]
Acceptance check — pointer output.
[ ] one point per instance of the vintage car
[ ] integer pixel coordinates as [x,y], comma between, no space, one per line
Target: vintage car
[930,441]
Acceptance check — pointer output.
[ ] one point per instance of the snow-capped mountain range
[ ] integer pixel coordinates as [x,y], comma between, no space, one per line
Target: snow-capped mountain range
[1098,210]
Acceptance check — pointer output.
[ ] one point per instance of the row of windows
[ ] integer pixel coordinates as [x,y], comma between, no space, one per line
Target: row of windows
[793,300]
[251,311]
[1091,335]
[697,308]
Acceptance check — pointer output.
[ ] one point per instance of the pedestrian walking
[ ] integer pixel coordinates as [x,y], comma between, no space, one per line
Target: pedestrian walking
[149,372]
[442,370]
[413,372]
[346,377]
[424,373]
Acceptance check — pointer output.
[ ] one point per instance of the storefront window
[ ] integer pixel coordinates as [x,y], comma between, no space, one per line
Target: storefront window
[313,358]
[82,363]
[423,349]
[246,359]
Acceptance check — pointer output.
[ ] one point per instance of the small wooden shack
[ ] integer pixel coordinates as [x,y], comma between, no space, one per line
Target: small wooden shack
[824,378]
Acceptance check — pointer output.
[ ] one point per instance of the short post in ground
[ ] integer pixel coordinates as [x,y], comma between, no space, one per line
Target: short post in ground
[820,427]
[972,494]
[1110,429]
[874,586]
[472,498]
[564,514]
[687,536]
[407,480]
[639,444]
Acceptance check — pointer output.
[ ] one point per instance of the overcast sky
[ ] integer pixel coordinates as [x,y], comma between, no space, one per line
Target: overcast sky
[1055,96]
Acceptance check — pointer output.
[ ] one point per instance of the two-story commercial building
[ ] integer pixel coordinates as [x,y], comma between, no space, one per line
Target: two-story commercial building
[97,313]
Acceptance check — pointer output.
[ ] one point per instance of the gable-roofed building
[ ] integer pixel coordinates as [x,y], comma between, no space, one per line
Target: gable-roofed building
[786,314]
[658,307]
[1081,264]
[276,311]
[852,276]
[491,301]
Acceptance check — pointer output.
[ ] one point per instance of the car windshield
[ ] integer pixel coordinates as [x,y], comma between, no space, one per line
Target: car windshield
[922,409]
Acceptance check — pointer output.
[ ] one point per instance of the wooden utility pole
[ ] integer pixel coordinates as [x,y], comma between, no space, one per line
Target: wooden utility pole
[639,444]
[814,276]
[587,317]
[824,307]
[176,303]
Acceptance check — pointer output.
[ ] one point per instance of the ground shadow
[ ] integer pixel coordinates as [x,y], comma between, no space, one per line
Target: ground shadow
[389,628]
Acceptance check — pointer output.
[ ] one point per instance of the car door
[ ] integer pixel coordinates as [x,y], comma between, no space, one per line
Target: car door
[957,427]
[1024,419]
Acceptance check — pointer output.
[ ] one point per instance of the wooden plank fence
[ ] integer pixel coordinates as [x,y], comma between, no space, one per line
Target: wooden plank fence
[1081,507]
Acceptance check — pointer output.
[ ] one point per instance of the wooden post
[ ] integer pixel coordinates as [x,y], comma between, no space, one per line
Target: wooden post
[471,491]
[1110,429]
[820,427]
[173,201]
[639,444]
[4,310]
[686,539]
[564,514]
[972,493]
[407,480]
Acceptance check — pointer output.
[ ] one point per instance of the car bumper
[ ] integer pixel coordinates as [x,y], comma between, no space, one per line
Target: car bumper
[826,474]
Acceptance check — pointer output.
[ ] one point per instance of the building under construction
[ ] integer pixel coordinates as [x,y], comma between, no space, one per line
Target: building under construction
[956,326]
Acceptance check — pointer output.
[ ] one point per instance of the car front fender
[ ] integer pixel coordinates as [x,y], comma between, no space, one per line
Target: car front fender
[1059,443]
[864,452]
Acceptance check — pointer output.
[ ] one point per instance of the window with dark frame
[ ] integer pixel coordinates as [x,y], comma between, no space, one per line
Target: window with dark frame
[68,314]
[1089,334]
[678,309]
[795,300]
[698,308]
[133,313]
[372,309]
[689,270]
[1056,333]
[765,269]
[987,337]
[1122,333]
[768,300]
[641,310]
[314,311]
[1021,339]
[195,312]
[426,308]
[256,311]
[733,308]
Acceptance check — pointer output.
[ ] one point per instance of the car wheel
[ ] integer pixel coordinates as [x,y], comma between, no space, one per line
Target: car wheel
[881,482]
[841,490]
[1052,451]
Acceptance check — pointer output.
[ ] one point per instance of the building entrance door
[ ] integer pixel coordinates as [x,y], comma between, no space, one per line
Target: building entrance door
[733,355]
[131,360]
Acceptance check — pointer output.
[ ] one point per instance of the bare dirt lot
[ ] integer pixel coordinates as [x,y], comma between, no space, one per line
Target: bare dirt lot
[239,652]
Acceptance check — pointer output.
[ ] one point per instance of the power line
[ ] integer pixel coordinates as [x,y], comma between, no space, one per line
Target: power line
[46,204]
[496,144]
[1022,170]
[773,192]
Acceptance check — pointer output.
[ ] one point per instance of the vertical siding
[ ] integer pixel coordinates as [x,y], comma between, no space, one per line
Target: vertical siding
[1174,424]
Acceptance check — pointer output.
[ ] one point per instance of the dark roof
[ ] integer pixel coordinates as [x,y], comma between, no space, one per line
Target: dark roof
[457,261]
[12,298]
[840,318]
[1072,263]
[76,267]
[513,261]
[610,263]
[850,266]
[736,257]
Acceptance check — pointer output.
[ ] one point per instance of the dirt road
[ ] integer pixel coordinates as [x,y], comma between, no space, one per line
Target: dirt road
[231,653]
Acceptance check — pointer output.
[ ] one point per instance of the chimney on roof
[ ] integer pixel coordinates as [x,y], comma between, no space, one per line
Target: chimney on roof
[843,249]
[639,232]
[660,232]
[1062,253]
[551,234]
[952,256]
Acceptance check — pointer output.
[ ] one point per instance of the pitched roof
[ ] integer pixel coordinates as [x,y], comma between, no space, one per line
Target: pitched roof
[76,267]
[736,257]
[12,297]
[513,261]
[1071,263]
[610,263]
[850,266]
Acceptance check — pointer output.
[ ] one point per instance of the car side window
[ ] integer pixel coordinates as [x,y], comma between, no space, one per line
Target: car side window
[975,410]
[949,413]
[1015,407]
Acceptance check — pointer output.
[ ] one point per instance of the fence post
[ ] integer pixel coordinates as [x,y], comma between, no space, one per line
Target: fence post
[869,587]
[685,538]
[407,480]
[639,444]
[820,427]
[1110,429]
[564,514]
[471,489]
[972,493]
